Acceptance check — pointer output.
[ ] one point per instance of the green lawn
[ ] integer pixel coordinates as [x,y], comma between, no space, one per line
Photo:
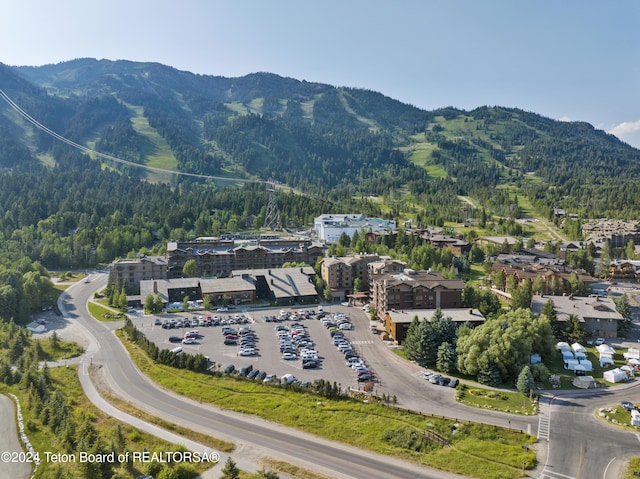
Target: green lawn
[102,313]
[505,401]
[476,450]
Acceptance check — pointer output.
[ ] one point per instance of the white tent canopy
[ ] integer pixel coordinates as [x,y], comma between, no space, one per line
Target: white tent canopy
[562,346]
[578,348]
[605,360]
[605,350]
[615,375]
[584,382]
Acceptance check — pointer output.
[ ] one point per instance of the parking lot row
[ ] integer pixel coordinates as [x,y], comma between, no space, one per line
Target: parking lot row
[311,354]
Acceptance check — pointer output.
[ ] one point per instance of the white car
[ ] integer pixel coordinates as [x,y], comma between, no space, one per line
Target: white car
[289,356]
[345,326]
[248,352]
[599,341]
[188,341]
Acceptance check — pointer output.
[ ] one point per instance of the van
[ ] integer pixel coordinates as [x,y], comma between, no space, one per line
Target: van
[177,350]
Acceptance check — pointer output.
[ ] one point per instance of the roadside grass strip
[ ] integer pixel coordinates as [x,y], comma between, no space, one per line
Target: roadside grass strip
[379,428]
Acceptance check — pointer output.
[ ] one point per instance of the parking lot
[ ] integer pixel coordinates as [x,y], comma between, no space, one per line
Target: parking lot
[304,334]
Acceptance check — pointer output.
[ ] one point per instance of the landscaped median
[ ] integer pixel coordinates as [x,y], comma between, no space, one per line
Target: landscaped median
[470,449]
[496,400]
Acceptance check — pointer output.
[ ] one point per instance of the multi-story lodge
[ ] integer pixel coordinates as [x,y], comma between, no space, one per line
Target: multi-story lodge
[129,272]
[415,290]
[339,273]
[221,257]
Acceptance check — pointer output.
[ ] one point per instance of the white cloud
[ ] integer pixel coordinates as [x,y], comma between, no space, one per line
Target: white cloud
[625,128]
[628,131]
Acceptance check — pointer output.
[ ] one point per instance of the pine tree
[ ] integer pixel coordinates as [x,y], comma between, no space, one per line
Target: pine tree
[230,470]
[446,361]
[412,341]
[525,381]
[490,375]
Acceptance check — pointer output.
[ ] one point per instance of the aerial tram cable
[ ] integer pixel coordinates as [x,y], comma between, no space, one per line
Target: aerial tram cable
[105,156]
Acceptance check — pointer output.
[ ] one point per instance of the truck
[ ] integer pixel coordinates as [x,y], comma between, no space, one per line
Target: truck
[373,325]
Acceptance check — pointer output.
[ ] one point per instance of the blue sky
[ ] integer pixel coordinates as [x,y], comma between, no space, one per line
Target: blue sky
[574,60]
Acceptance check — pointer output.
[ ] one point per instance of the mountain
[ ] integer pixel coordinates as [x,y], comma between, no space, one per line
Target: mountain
[324,140]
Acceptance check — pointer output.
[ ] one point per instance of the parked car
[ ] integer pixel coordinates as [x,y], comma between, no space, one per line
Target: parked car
[175,339]
[248,352]
[157,322]
[269,378]
[365,377]
[260,376]
[627,406]
[310,364]
[252,374]
[599,341]
[434,378]
[289,356]
[443,381]
[229,369]
[188,341]
[454,383]
[245,370]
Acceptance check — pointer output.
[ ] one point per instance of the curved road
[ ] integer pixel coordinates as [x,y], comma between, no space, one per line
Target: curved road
[580,441]
[254,434]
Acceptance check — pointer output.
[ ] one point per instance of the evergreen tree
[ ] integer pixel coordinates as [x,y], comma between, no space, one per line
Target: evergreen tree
[358,285]
[605,260]
[230,470]
[446,361]
[344,240]
[549,310]
[412,342]
[149,304]
[525,382]
[490,375]
[573,330]
[624,308]
[158,303]
[630,250]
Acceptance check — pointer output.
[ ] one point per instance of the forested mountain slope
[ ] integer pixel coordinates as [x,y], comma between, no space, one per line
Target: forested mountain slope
[326,141]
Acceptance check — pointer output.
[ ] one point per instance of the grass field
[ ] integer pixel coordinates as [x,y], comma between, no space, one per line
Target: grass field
[42,438]
[212,442]
[157,151]
[383,429]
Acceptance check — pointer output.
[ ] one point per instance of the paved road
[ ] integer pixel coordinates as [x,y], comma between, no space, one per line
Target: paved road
[402,379]
[583,445]
[10,442]
[573,443]
[253,434]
